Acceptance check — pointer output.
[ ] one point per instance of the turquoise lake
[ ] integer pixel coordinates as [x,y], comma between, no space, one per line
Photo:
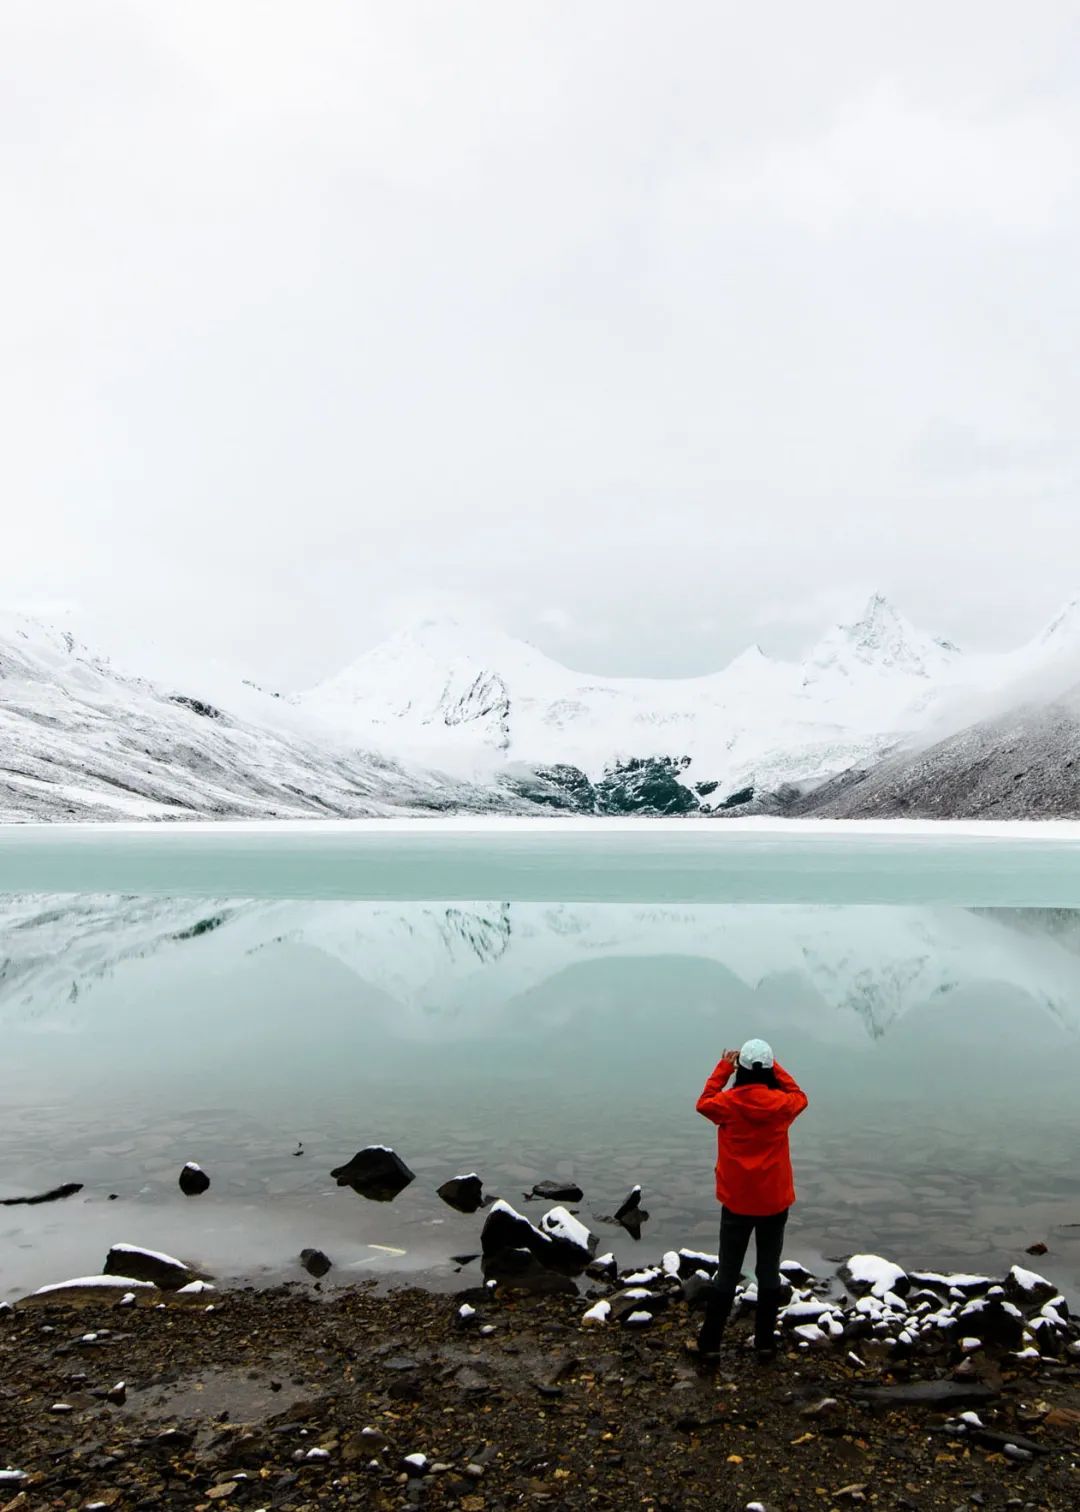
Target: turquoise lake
[528,1005]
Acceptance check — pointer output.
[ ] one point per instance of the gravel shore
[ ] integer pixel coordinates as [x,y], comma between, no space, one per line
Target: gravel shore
[294,1398]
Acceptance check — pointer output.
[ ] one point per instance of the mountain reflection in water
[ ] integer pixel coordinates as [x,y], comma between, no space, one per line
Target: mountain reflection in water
[939,1047]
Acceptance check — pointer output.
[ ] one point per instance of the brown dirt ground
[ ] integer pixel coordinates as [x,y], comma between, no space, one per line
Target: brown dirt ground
[222,1407]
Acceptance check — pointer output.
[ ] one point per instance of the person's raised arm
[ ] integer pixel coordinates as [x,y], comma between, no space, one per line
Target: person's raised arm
[711,1104]
[795,1098]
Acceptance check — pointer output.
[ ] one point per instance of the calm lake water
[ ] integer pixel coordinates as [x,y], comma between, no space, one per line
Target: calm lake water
[530,1005]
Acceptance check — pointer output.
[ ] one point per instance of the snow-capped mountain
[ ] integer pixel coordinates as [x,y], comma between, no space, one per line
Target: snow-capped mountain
[453,716]
[79,740]
[481,702]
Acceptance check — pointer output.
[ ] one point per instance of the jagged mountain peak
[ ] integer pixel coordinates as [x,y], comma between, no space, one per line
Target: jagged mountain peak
[882,639]
[443,641]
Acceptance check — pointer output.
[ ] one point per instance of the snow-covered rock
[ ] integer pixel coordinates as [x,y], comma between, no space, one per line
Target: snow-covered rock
[193,1180]
[128,1284]
[570,1233]
[465,1193]
[165,1271]
[872,1273]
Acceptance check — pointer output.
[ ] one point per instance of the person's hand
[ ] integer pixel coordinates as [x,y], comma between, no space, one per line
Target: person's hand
[731,1055]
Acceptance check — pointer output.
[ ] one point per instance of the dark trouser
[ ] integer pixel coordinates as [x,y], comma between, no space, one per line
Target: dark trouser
[735,1232]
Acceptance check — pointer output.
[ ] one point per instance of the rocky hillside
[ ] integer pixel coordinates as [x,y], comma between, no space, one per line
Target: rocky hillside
[79,740]
[1023,765]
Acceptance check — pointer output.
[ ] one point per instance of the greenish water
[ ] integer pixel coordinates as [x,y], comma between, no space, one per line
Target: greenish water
[692,862]
[172,996]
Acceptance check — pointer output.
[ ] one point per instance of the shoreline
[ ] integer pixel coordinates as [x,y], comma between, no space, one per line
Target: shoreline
[510,1397]
[495,824]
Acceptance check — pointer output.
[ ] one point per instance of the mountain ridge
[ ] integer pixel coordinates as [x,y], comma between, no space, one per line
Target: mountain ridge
[459,716]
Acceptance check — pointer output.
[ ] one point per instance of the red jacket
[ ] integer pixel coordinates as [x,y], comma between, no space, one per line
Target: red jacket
[753,1162]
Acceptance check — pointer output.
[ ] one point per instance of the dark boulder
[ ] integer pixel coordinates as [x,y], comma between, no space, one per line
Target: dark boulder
[375,1172]
[505,1230]
[556,1191]
[631,1215]
[315,1262]
[520,1270]
[692,1261]
[465,1193]
[638,1299]
[631,1205]
[1027,1288]
[148,1265]
[513,1248]
[193,1180]
[993,1321]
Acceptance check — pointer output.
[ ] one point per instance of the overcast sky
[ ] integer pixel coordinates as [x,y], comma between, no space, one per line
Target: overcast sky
[647,329]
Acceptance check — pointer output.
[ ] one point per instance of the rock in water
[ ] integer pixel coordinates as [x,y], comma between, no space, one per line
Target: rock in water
[315,1262]
[631,1214]
[148,1265]
[504,1229]
[193,1180]
[557,1191]
[68,1189]
[631,1205]
[376,1172]
[465,1193]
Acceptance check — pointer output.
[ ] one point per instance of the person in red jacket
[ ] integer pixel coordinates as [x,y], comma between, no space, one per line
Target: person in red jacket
[753,1182]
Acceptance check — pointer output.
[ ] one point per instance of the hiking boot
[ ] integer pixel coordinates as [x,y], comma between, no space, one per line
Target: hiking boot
[717,1312]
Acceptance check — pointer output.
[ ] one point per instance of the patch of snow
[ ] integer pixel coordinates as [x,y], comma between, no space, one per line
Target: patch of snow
[137,1249]
[638,1319]
[598,1313]
[561,1224]
[85,1282]
[1027,1280]
[875,1272]
[695,1256]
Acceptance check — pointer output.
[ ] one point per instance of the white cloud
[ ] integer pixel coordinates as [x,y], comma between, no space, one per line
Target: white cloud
[884,155]
[672,321]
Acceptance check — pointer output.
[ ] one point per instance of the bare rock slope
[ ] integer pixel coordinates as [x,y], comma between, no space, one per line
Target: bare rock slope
[1022,765]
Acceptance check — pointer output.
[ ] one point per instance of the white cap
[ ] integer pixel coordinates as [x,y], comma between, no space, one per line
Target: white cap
[756,1053]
